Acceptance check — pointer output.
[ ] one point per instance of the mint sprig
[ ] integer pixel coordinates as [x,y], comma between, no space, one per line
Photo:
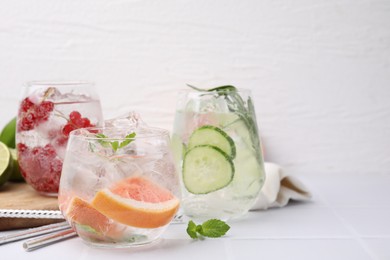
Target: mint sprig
[220,89]
[211,228]
[115,145]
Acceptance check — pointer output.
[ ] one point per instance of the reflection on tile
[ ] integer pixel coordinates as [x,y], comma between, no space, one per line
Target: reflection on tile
[379,247]
[293,221]
[335,249]
[165,249]
[352,190]
[367,221]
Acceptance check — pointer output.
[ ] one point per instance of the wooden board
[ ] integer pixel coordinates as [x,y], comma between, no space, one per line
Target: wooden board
[22,196]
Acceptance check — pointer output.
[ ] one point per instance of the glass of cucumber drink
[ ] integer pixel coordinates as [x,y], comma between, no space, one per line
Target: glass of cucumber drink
[217,148]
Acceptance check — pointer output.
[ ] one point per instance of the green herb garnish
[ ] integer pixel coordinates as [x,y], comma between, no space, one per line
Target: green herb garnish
[210,228]
[115,145]
[225,88]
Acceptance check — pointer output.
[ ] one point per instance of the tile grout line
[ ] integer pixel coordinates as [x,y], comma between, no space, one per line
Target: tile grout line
[355,235]
[310,238]
[228,249]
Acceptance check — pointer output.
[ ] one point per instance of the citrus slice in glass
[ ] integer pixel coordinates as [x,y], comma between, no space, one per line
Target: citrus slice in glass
[87,218]
[137,202]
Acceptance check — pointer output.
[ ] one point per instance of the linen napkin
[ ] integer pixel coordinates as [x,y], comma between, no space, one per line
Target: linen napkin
[279,188]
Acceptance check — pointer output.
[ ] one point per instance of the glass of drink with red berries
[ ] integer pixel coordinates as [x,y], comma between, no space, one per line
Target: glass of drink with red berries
[48,112]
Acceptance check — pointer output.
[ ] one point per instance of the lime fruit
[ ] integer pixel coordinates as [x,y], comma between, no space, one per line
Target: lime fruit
[6,165]
[7,135]
[16,176]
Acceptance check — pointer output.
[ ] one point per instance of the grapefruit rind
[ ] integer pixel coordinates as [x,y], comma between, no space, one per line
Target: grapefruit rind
[135,213]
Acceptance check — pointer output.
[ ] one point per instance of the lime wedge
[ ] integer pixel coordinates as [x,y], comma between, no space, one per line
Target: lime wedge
[16,176]
[6,164]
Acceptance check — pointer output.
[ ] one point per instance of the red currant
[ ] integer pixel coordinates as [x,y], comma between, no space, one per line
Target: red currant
[49,151]
[85,122]
[67,129]
[41,167]
[56,165]
[27,122]
[31,114]
[47,105]
[61,140]
[93,131]
[21,147]
[43,110]
[37,150]
[26,105]
[74,116]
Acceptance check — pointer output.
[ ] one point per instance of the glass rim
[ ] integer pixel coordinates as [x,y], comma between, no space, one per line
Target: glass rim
[58,83]
[190,90]
[160,133]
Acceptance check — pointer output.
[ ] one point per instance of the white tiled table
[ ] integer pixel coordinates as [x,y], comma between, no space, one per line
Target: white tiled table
[348,218]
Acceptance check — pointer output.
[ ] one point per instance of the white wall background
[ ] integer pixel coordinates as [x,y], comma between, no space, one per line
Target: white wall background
[319,70]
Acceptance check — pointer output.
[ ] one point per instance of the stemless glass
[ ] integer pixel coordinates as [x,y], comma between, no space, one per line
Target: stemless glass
[48,112]
[217,148]
[119,186]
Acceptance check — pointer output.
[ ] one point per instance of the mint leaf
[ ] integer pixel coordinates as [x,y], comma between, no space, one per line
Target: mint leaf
[129,139]
[214,228]
[103,142]
[191,229]
[115,145]
[210,228]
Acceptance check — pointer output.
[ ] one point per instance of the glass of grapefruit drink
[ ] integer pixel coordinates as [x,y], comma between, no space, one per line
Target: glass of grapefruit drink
[217,149]
[47,113]
[119,187]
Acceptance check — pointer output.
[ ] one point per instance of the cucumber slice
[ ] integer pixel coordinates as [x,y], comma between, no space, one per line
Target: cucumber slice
[207,168]
[178,147]
[212,135]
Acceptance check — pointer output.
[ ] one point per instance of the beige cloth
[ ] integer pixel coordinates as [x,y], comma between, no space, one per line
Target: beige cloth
[279,188]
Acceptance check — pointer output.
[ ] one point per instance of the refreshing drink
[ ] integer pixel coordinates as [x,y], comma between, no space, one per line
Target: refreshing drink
[217,148]
[47,114]
[119,187]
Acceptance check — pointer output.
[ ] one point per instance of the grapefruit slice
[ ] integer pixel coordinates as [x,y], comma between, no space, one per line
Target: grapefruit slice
[84,214]
[137,202]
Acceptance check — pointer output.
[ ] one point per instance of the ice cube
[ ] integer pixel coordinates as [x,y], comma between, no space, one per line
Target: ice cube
[129,119]
[127,166]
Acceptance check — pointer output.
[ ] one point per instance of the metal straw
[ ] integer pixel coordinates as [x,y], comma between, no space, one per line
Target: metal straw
[58,231]
[42,241]
[32,232]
